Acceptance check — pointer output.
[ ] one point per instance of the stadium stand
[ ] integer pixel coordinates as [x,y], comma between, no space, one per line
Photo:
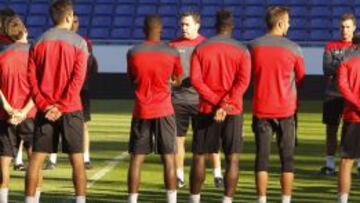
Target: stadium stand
[312,20]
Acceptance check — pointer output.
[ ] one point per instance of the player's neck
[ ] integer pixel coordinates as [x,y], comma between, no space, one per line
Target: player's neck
[276,32]
[226,33]
[194,36]
[63,26]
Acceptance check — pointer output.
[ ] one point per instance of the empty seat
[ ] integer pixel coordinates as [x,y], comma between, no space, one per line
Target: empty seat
[298,35]
[21,8]
[318,2]
[99,33]
[340,10]
[138,33]
[276,2]
[320,11]
[139,21]
[36,20]
[209,10]
[253,23]
[122,9]
[35,32]
[170,22]
[320,35]
[254,11]
[299,11]
[123,21]
[233,2]
[168,2]
[149,1]
[101,21]
[83,9]
[212,2]
[321,23]
[186,8]
[168,34]
[170,10]
[84,20]
[146,9]
[208,22]
[120,33]
[208,32]
[39,8]
[254,2]
[299,22]
[252,34]
[104,9]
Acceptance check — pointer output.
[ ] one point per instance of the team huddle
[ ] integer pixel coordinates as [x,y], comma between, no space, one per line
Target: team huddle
[203,81]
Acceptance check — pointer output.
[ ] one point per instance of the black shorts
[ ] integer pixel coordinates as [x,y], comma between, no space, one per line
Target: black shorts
[85,101]
[264,129]
[350,140]
[70,126]
[332,110]
[183,114]
[11,136]
[148,135]
[210,134]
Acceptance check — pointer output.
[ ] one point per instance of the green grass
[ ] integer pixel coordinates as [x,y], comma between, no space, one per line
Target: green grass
[109,136]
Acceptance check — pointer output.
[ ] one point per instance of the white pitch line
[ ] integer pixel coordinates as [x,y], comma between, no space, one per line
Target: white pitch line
[101,173]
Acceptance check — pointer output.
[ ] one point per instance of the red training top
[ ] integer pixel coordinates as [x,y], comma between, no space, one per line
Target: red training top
[150,67]
[13,77]
[278,70]
[220,72]
[57,68]
[349,85]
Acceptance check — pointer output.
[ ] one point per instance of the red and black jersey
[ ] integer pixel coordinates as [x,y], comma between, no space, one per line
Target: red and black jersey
[13,77]
[278,70]
[333,55]
[220,72]
[57,68]
[185,93]
[349,84]
[150,67]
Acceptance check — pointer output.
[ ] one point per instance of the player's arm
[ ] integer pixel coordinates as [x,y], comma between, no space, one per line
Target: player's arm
[5,104]
[299,71]
[198,83]
[344,86]
[178,72]
[77,78]
[241,83]
[39,99]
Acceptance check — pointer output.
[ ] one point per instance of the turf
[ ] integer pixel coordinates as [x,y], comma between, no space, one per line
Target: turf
[109,136]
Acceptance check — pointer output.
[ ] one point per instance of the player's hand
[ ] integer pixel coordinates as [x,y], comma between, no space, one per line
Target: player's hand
[17,117]
[53,113]
[220,115]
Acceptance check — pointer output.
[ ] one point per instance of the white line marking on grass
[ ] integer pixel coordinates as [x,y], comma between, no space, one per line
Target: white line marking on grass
[102,172]
[111,164]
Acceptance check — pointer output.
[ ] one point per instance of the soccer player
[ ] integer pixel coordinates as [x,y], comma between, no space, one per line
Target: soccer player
[152,66]
[220,73]
[348,81]
[278,71]
[17,112]
[57,97]
[185,99]
[92,67]
[334,103]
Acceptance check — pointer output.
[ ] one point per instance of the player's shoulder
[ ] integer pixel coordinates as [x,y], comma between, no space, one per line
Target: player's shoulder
[152,47]
[351,53]
[269,40]
[63,35]
[220,39]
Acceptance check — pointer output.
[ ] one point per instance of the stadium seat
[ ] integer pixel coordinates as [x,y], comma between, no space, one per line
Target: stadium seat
[343,3]
[208,22]
[208,32]
[35,32]
[146,9]
[297,2]
[254,2]
[138,34]
[276,2]
[99,33]
[185,8]
[321,23]
[170,10]
[139,21]
[168,34]
[320,35]
[120,33]
[128,9]
[36,20]
[318,3]
[299,22]
[103,9]
[324,11]
[167,2]
[84,20]
[236,10]
[123,21]
[170,22]
[148,1]
[209,10]
[39,8]
[20,8]
[101,21]
[251,34]
[83,9]
[298,35]
[254,11]
[340,10]
[253,23]
[299,11]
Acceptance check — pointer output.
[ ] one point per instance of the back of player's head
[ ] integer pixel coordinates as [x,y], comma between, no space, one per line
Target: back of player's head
[195,15]
[224,21]
[356,39]
[348,16]
[274,14]
[60,9]
[4,14]
[15,28]
[152,23]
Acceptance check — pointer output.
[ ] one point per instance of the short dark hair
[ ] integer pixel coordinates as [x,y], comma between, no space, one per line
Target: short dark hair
[348,16]
[59,9]
[14,28]
[151,21]
[224,20]
[274,14]
[195,15]
[4,14]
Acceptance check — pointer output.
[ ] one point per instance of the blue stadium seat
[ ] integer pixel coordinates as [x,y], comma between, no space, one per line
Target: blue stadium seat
[146,9]
[298,35]
[323,23]
[208,22]
[168,33]
[120,33]
[318,3]
[39,8]
[20,8]
[297,2]
[254,2]
[138,34]
[209,10]
[212,2]
[208,32]
[299,11]
[254,11]
[253,23]
[35,32]
[335,34]
[101,21]
[299,22]
[123,21]
[99,33]
[167,2]
[84,20]
[233,2]
[185,8]
[83,9]
[122,9]
[340,10]
[238,23]
[320,35]
[320,11]
[126,1]
[36,20]
[105,1]
[83,31]
[139,21]
[252,34]
[170,22]
[343,3]
[170,10]
[148,1]
[276,2]
[190,2]
[236,10]
[103,9]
